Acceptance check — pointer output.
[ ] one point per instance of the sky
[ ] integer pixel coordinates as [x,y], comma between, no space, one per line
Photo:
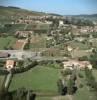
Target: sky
[64,7]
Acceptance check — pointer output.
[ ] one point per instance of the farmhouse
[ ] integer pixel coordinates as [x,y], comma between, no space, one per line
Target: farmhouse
[10,64]
[72,64]
[61,23]
[22,21]
[23,34]
[69,48]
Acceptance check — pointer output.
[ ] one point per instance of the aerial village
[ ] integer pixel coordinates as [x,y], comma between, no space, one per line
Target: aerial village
[47,57]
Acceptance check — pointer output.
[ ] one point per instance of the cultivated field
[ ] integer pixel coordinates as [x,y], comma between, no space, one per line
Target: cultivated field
[41,79]
[84,92]
[79,45]
[38,42]
[1,81]
[6,42]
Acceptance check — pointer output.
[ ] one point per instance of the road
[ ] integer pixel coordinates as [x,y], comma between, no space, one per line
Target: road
[8,80]
[25,27]
[21,55]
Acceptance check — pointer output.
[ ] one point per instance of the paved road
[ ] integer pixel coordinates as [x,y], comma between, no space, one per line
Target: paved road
[25,26]
[21,54]
[8,80]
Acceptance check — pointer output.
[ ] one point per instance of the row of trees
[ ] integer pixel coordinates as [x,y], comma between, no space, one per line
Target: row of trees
[78,21]
[19,94]
[91,82]
[67,86]
[27,45]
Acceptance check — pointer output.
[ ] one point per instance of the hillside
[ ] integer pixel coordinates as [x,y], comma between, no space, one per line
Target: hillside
[89,17]
[14,11]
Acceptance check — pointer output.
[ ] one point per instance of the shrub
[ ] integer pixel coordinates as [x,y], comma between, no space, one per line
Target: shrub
[80,75]
[81,86]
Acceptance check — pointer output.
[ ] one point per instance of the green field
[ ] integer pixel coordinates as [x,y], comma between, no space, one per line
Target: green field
[39,26]
[41,79]
[1,81]
[6,42]
[83,93]
[38,42]
[95,74]
[94,42]
[79,45]
[10,29]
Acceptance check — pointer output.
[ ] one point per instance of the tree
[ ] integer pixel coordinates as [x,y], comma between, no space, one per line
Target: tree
[20,94]
[83,58]
[3,94]
[71,86]
[66,72]
[93,59]
[27,45]
[60,87]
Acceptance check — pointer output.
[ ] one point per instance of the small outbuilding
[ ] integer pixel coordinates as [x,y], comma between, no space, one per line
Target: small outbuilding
[10,64]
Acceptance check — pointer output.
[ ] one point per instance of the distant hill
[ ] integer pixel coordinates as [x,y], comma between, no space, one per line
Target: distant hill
[86,15]
[54,14]
[13,11]
[89,17]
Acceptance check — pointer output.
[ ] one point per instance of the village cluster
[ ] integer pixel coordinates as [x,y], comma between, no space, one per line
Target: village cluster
[48,42]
